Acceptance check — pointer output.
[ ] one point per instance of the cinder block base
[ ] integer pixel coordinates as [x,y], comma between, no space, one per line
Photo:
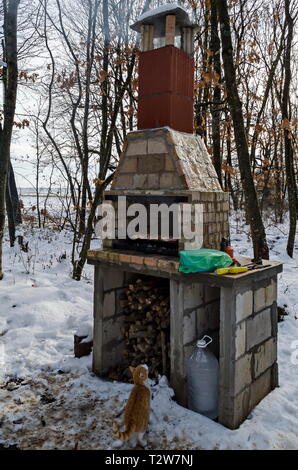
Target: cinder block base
[240,313]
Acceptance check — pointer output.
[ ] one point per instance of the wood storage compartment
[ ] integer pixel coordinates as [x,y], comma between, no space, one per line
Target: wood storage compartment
[137,314]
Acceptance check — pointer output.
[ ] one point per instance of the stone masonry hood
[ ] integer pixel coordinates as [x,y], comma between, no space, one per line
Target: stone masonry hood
[165,159]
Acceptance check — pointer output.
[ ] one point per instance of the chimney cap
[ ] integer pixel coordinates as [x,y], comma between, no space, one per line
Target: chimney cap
[156,17]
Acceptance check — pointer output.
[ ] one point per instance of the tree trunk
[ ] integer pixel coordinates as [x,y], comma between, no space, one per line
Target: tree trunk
[11,81]
[253,210]
[289,152]
[13,211]
[15,197]
[215,111]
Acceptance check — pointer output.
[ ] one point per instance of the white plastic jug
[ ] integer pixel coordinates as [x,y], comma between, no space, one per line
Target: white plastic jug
[203,380]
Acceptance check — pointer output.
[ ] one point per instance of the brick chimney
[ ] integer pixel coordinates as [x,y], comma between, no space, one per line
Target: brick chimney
[166,69]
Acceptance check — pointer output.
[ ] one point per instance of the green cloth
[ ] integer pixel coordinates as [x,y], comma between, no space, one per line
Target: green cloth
[203,261]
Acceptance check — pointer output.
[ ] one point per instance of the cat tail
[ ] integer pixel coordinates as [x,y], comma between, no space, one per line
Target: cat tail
[123,436]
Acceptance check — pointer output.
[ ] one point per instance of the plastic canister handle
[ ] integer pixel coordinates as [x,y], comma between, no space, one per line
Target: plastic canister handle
[202,343]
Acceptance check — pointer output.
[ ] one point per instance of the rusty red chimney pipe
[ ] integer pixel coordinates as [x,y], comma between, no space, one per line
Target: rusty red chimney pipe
[166,73]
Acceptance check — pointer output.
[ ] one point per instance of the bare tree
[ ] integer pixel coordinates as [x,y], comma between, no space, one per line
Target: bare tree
[252,205]
[288,137]
[11,82]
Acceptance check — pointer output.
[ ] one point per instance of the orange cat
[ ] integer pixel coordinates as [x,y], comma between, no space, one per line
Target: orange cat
[137,410]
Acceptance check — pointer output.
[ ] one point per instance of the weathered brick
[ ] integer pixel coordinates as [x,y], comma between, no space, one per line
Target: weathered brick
[265,356]
[259,328]
[137,148]
[129,165]
[240,340]
[163,265]
[243,373]
[113,257]
[157,146]
[151,164]
[137,259]
[189,328]
[124,258]
[150,261]
[243,306]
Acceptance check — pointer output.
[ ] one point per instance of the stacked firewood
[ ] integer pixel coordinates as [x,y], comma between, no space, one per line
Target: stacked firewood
[146,304]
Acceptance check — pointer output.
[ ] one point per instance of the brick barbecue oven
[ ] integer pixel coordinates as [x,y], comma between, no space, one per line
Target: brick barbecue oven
[163,162]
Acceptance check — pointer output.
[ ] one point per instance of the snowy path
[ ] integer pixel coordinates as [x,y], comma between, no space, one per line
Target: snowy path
[50,400]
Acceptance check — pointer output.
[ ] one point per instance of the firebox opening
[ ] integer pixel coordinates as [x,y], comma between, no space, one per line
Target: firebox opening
[147,246]
[144,312]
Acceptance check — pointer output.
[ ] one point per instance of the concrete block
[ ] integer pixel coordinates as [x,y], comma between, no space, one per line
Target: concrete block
[123,181]
[112,278]
[169,165]
[259,328]
[243,373]
[241,408]
[265,296]
[140,181]
[189,328]
[271,293]
[243,306]
[260,388]
[157,146]
[240,340]
[170,180]
[129,165]
[137,148]
[112,330]
[153,181]
[109,304]
[265,356]
[226,207]
[259,299]
[193,295]
[151,164]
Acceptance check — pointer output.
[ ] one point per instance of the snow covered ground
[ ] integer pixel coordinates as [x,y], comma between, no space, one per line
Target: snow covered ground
[49,400]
